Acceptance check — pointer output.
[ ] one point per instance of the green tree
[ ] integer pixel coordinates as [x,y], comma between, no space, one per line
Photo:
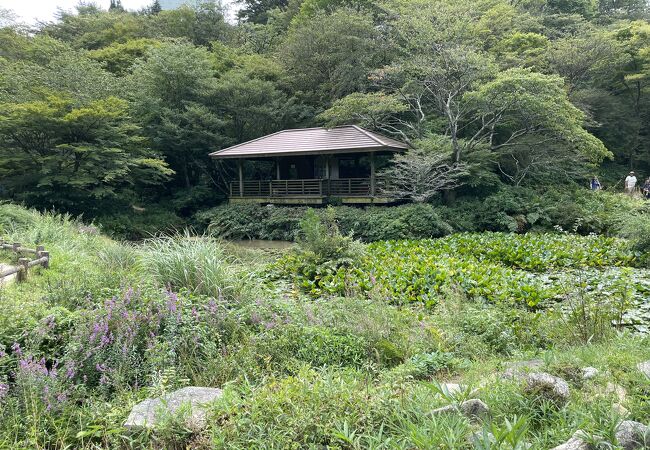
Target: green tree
[330,55]
[118,58]
[172,90]
[257,11]
[86,158]
[155,7]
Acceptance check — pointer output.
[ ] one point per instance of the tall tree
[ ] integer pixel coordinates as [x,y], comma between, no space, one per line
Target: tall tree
[116,5]
[76,158]
[330,55]
[172,90]
[257,11]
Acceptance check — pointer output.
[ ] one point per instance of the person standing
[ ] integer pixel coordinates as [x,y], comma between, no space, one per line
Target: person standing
[594,184]
[630,183]
[646,188]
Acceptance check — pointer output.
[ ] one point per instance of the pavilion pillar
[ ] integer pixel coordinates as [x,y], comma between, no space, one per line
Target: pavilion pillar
[277,168]
[372,174]
[240,168]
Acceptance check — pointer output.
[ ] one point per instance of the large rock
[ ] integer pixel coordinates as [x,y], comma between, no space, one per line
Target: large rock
[547,386]
[644,367]
[632,435]
[148,413]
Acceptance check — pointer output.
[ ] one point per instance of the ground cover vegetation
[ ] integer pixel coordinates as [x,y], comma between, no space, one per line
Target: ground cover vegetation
[112,113]
[308,358]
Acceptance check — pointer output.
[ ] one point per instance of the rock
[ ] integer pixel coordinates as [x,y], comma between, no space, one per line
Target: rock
[8,279]
[644,367]
[575,443]
[620,410]
[518,369]
[548,386]
[474,408]
[148,413]
[589,372]
[632,435]
[444,410]
[617,391]
[471,409]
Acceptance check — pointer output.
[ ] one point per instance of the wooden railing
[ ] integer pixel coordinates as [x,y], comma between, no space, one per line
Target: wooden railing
[343,187]
[24,264]
[350,187]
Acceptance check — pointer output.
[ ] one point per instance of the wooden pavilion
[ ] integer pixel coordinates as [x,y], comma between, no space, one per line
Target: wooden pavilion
[312,165]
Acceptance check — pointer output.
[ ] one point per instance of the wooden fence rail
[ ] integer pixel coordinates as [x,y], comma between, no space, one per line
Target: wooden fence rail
[24,264]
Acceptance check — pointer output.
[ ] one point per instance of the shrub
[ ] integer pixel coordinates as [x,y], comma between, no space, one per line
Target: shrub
[140,225]
[283,223]
[519,209]
[199,264]
[636,228]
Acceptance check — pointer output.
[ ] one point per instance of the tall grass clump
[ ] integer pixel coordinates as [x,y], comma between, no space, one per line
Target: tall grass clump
[200,264]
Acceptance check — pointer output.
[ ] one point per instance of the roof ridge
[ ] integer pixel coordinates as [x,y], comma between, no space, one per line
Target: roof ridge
[243,143]
[371,135]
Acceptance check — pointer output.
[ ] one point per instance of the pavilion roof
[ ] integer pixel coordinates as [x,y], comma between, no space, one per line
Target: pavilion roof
[313,141]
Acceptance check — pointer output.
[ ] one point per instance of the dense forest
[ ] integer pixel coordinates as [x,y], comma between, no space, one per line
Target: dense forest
[103,111]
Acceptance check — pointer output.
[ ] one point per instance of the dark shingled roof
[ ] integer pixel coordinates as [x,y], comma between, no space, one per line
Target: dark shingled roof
[308,141]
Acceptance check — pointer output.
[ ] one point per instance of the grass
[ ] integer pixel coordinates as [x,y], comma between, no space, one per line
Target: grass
[111,323]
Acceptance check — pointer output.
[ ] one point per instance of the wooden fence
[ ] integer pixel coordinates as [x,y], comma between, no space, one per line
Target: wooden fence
[24,264]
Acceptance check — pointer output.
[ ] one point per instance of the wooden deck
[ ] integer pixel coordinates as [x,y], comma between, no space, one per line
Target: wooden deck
[308,191]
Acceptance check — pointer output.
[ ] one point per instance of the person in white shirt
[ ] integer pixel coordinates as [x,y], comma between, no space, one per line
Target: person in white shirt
[630,183]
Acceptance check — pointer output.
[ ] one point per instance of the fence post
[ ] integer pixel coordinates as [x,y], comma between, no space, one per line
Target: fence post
[22,274]
[16,246]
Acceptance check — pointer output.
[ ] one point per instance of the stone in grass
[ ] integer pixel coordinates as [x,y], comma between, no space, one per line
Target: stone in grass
[148,413]
[547,386]
[575,443]
[632,435]
[644,367]
[589,372]
[472,409]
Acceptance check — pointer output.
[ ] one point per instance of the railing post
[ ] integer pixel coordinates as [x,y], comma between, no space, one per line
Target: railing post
[241,177]
[24,267]
[372,174]
[15,246]
[349,186]
[46,255]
